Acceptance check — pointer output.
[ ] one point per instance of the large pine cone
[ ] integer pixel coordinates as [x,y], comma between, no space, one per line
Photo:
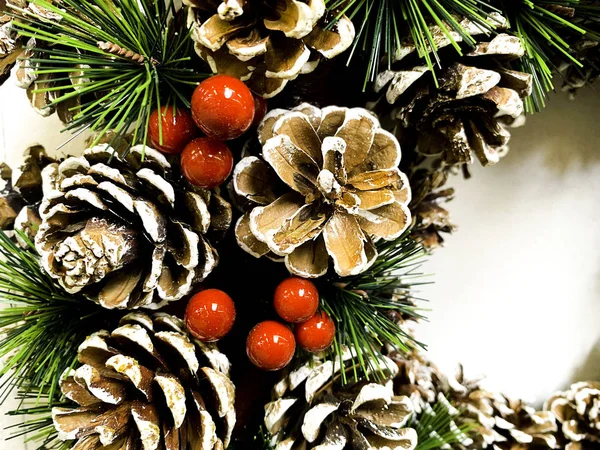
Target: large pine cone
[127,231]
[146,385]
[266,43]
[467,113]
[328,184]
[312,410]
[22,193]
[577,412]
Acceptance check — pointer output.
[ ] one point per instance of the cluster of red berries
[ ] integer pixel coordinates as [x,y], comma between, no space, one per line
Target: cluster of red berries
[271,345]
[223,108]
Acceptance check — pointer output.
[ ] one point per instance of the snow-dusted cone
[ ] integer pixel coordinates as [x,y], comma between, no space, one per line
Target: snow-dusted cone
[10,45]
[467,114]
[127,232]
[502,423]
[147,386]
[22,193]
[266,43]
[327,184]
[312,410]
[577,412]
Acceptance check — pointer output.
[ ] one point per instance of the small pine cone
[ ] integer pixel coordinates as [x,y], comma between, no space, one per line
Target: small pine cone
[576,411]
[501,423]
[431,218]
[22,193]
[312,410]
[418,379]
[266,43]
[587,51]
[327,184]
[147,386]
[127,231]
[477,96]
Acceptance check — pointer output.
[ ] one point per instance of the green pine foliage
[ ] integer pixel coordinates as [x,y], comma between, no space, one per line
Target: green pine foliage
[133,57]
[41,325]
[438,426]
[367,308]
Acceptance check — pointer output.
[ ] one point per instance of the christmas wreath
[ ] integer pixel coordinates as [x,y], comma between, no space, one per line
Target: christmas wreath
[303,146]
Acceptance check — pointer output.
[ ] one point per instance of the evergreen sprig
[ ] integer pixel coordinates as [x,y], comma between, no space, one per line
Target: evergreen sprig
[368,308]
[546,29]
[41,325]
[38,427]
[129,56]
[381,26]
[439,426]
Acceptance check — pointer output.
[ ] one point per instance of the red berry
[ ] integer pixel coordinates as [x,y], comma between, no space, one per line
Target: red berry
[223,107]
[177,126]
[260,110]
[210,315]
[317,333]
[270,345]
[296,299]
[206,162]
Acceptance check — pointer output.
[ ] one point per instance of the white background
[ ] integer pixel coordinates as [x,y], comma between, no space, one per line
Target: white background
[517,287]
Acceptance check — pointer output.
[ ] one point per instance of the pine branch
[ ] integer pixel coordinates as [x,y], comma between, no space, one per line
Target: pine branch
[369,308]
[437,426]
[129,57]
[381,26]
[38,428]
[41,325]
[547,29]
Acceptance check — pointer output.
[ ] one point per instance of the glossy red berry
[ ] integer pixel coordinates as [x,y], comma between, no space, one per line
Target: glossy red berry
[296,299]
[223,107]
[260,110]
[206,162]
[317,333]
[177,127]
[270,345]
[210,315]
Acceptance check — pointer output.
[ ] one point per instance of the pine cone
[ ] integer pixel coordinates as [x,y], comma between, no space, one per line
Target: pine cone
[313,410]
[126,231]
[418,379]
[501,423]
[146,385]
[266,43]
[577,412]
[587,51]
[328,184]
[467,113]
[21,196]
[10,46]
[431,219]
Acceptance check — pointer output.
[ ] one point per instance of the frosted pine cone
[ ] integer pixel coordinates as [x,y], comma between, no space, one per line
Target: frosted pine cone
[328,184]
[266,43]
[147,386]
[467,114]
[127,232]
[577,411]
[501,423]
[22,194]
[313,410]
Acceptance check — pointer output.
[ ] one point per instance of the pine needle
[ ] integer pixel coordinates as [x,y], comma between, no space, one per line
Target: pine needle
[38,427]
[365,307]
[41,325]
[437,426]
[546,37]
[382,24]
[135,56]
